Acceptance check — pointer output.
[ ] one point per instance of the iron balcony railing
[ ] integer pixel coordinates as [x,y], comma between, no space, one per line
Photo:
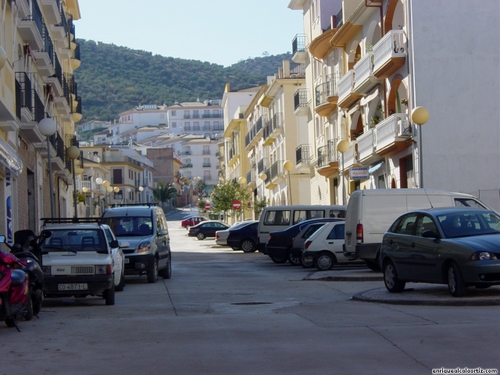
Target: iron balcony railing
[299,43]
[300,98]
[302,154]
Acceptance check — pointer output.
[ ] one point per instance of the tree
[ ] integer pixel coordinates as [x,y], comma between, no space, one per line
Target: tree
[225,193]
[164,192]
[259,205]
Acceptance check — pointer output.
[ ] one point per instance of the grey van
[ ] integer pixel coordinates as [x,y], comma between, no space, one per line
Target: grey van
[143,235]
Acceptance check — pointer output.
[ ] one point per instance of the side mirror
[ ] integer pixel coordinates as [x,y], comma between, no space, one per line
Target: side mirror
[46,233]
[114,244]
[430,234]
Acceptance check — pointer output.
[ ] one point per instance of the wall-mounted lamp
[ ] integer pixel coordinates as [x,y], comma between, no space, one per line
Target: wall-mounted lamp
[420,115]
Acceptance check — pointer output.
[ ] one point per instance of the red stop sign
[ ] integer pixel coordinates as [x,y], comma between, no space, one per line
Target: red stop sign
[236,204]
[207,206]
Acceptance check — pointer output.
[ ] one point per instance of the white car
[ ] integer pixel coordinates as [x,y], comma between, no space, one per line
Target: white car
[324,247]
[118,260]
[221,235]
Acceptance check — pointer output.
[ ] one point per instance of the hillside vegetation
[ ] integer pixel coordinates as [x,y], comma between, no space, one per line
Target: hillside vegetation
[114,79]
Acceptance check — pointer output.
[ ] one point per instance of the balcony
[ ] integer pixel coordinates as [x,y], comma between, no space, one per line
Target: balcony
[350,158]
[75,60]
[366,148]
[251,179]
[276,173]
[365,80]
[52,11]
[273,129]
[55,81]
[393,135]
[187,165]
[254,135]
[320,46]
[328,162]
[45,56]
[326,96]
[30,28]
[61,30]
[347,95]
[299,52]
[29,108]
[301,104]
[389,54]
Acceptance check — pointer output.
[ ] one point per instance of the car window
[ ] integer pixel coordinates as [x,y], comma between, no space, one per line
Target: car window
[468,202]
[75,240]
[130,226]
[424,223]
[336,233]
[278,217]
[469,224]
[406,224]
[311,229]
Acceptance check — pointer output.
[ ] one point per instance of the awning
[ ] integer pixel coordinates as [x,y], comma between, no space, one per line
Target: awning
[375,168]
[9,158]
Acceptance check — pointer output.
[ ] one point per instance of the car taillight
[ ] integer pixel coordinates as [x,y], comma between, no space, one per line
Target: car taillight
[307,243]
[359,233]
[216,235]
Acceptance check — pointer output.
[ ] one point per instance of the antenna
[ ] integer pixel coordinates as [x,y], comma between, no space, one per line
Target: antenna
[429,199]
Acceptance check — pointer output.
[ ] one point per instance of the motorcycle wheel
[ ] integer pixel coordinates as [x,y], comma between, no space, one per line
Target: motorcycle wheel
[28,315]
[37,301]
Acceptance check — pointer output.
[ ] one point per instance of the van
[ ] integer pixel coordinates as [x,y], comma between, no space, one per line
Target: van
[371,212]
[143,235]
[277,218]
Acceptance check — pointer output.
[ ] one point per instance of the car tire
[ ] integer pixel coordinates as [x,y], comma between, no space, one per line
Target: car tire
[324,261]
[153,272]
[294,260]
[391,280]
[278,259]
[306,264]
[200,236]
[248,246]
[121,284]
[166,273]
[109,296]
[456,284]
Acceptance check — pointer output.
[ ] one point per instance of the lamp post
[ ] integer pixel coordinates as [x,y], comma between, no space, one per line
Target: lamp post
[243,181]
[99,182]
[48,128]
[420,115]
[141,189]
[342,147]
[288,166]
[72,153]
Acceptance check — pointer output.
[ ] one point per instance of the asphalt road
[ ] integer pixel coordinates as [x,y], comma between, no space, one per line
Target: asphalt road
[226,312]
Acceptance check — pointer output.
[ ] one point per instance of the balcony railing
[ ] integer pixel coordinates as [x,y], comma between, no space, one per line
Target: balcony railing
[389,53]
[254,130]
[302,154]
[300,99]
[272,127]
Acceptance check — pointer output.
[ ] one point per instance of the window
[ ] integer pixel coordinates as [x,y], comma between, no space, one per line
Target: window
[406,224]
[173,113]
[196,125]
[277,218]
[337,233]
[206,125]
[117,176]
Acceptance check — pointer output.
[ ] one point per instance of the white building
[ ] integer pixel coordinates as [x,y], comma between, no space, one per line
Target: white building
[370,64]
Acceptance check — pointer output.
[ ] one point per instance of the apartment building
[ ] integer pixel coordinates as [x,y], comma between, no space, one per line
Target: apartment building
[39,105]
[371,64]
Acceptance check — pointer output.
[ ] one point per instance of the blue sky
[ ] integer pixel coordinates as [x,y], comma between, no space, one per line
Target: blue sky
[218,31]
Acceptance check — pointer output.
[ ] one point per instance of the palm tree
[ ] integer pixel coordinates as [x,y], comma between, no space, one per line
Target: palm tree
[164,192]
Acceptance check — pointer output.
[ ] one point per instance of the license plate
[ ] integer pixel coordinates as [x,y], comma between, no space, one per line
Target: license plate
[64,287]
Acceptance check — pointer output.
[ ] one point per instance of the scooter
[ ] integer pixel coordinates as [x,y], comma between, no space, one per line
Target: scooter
[27,249]
[15,298]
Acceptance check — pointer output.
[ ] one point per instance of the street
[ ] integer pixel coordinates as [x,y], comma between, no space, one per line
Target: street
[227,312]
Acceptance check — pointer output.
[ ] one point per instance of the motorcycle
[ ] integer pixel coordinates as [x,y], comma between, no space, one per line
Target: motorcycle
[21,278]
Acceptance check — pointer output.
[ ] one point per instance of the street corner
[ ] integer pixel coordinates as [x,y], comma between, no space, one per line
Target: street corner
[431,294]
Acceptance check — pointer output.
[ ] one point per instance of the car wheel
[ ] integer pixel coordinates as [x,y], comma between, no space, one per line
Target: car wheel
[391,280]
[121,284]
[247,246]
[166,273]
[109,296]
[294,260]
[200,236]
[306,263]
[278,259]
[153,272]
[324,261]
[456,284]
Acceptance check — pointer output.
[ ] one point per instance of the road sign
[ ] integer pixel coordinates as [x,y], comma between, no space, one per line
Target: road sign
[207,206]
[236,204]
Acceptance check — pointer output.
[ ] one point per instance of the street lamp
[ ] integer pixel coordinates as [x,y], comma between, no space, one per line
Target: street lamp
[288,166]
[420,115]
[342,147]
[72,153]
[99,182]
[48,128]
[141,189]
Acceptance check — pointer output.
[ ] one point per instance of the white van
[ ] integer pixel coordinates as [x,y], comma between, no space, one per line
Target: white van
[276,218]
[371,212]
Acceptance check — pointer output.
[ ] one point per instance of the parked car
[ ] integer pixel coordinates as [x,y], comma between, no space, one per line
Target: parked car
[221,235]
[81,258]
[244,237]
[192,221]
[325,247]
[455,246]
[206,229]
[295,257]
[279,244]
[143,234]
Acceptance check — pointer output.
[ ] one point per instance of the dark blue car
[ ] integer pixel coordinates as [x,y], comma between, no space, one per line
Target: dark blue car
[244,237]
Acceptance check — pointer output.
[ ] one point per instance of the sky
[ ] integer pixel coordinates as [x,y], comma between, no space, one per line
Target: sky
[218,31]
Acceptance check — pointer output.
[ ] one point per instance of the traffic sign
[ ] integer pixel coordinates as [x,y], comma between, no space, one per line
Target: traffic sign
[207,206]
[236,204]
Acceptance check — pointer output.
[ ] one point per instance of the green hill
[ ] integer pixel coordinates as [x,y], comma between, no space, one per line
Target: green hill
[114,79]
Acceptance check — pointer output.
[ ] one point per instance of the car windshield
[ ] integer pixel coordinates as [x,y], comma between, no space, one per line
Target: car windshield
[75,240]
[475,223]
[130,226]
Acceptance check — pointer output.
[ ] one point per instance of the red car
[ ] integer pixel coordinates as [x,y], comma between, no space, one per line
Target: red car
[192,221]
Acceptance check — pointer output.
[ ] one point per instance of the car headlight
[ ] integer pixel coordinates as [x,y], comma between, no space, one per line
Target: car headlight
[484,255]
[144,247]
